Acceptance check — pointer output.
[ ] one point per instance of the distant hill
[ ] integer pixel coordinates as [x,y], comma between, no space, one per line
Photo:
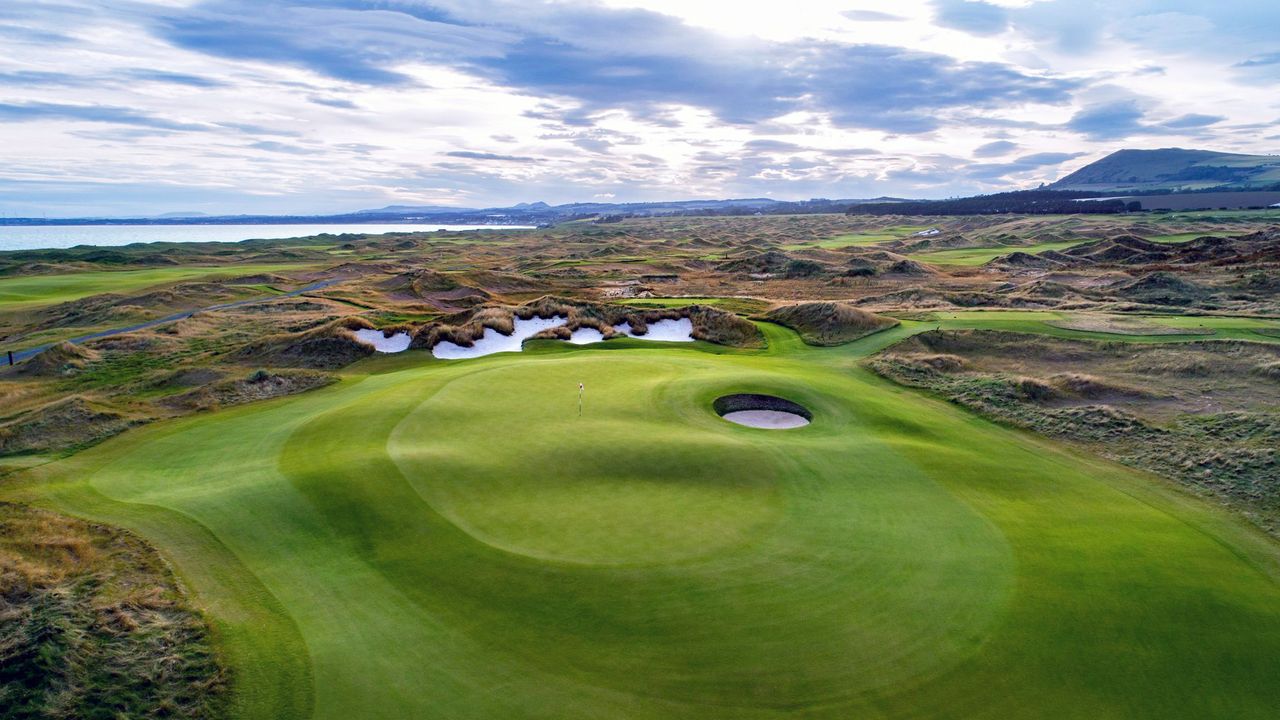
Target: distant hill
[1173,169]
[412,209]
[525,213]
[1024,202]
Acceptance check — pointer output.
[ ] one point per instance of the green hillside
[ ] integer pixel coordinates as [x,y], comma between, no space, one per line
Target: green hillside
[1174,169]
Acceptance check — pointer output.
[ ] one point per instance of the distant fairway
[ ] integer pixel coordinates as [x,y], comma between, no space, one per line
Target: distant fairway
[452,540]
[980,255]
[873,237]
[27,291]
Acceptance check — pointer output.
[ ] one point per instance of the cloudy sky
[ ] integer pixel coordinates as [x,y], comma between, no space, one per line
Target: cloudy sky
[314,106]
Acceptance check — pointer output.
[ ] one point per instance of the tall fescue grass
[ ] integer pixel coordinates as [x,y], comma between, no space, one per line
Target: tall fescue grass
[93,625]
[829,323]
[330,345]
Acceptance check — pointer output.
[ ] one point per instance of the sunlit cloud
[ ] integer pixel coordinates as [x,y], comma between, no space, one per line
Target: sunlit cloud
[323,105]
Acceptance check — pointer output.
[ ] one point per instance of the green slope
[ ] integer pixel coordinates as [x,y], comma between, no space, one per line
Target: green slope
[453,540]
[28,291]
[1173,169]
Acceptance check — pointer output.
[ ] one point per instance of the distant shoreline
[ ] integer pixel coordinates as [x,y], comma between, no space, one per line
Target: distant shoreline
[264,220]
[60,237]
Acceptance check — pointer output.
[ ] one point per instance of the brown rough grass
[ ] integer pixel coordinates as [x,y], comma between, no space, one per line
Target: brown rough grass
[91,619]
[829,323]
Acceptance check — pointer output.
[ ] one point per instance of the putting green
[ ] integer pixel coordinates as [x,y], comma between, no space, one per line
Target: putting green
[454,540]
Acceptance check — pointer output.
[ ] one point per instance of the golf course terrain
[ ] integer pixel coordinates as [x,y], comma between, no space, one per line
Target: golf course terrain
[637,360]
[455,539]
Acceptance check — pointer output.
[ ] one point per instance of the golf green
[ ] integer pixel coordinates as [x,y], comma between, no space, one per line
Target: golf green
[458,540]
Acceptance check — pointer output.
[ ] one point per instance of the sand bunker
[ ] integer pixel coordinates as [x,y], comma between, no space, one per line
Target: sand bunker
[586,335]
[670,330]
[398,342]
[677,330]
[762,411]
[495,342]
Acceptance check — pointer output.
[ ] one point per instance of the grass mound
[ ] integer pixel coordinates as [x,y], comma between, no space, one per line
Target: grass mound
[327,347]
[92,625]
[63,424]
[1204,413]
[720,327]
[829,323]
[258,385]
[1162,288]
[759,263]
[58,361]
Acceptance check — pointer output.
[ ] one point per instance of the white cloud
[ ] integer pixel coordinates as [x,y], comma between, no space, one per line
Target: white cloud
[138,108]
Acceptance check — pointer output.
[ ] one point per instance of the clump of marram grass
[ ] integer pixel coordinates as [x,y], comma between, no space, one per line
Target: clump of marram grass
[709,324]
[603,327]
[401,327]
[829,323]
[548,306]
[723,328]
[498,318]
[58,361]
[1229,453]
[463,329]
[332,345]
[560,332]
[64,424]
[1035,389]
[94,625]
[262,384]
[1268,370]
[933,362]
[431,334]
[1093,387]
[428,281]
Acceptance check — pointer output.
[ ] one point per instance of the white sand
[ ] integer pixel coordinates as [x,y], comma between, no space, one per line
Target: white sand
[495,342]
[383,344]
[680,330]
[767,419]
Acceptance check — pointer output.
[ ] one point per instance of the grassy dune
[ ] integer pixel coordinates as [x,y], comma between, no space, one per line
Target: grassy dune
[433,539]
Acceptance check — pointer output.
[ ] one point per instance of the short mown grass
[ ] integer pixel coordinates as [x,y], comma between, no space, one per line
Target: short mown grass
[455,540]
[27,291]
[978,256]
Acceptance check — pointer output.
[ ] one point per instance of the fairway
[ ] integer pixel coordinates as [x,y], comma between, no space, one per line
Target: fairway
[860,238]
[30,291]
[1041,322]
[434,539]
[980,255]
